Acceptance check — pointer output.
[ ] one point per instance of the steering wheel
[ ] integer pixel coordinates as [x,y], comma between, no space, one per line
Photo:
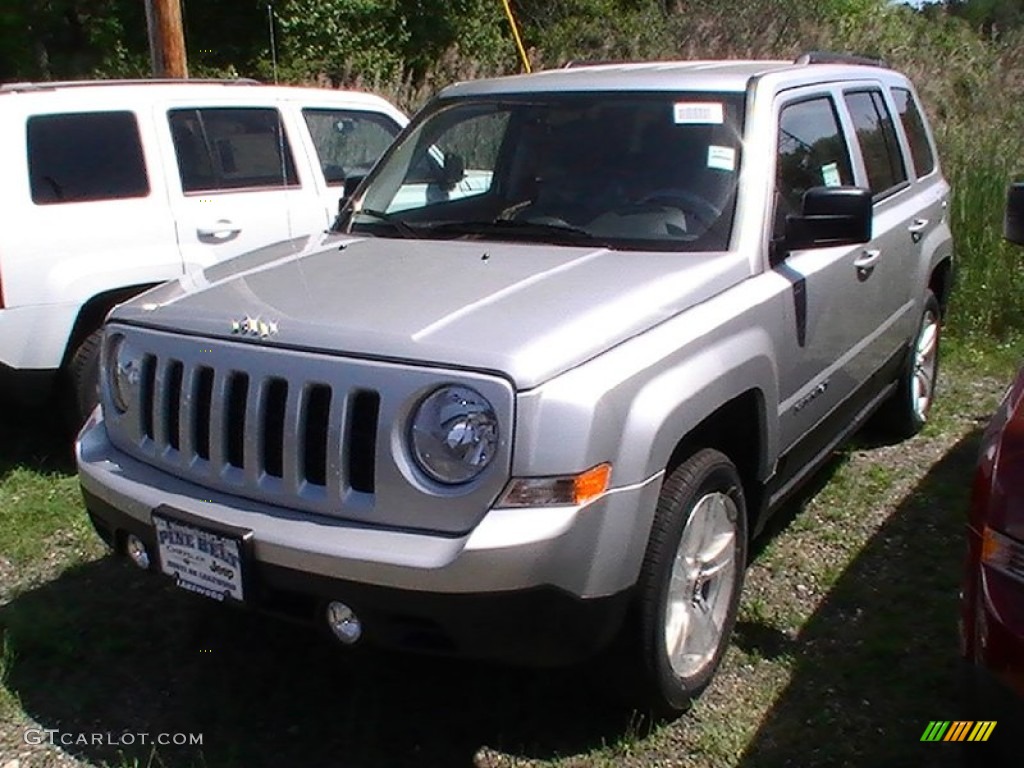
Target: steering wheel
[702,209]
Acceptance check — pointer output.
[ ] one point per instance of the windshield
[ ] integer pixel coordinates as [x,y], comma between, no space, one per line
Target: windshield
[634,171]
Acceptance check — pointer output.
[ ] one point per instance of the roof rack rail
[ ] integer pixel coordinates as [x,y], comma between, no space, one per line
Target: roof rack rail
[577,63]
[47,86]
[828,57]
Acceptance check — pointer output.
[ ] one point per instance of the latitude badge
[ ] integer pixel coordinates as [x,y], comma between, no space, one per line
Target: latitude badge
[254,326]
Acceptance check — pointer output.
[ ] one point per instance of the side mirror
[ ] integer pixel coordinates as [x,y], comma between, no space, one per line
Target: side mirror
[351,183]
[1013,219]
[830,216]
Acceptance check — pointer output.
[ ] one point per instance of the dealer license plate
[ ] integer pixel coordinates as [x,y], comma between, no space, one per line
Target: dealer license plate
[199,560]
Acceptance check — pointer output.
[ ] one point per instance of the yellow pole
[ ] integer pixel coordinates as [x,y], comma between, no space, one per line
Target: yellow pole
[515,34]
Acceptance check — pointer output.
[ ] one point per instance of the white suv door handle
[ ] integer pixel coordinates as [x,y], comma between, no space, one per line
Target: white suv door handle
[867,259]
[916,228]
[220,231]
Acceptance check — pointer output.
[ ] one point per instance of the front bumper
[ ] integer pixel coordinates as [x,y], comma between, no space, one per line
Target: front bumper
[992,618]
[539,585]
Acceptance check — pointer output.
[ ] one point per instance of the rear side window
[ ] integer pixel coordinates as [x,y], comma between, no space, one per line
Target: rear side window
[348,142]
[812,152]
[876,135]
[231,148]
[76,158]
[917,135]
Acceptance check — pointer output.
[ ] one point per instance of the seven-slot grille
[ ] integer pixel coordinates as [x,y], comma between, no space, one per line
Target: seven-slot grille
[295,430]
[259,434]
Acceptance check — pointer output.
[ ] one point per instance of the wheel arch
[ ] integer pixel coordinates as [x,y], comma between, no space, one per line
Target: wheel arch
[940,282]
[736,429]
[94,311]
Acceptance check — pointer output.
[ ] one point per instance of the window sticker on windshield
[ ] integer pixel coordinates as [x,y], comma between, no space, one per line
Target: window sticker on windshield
[830,175]
[722,158]
[698,113]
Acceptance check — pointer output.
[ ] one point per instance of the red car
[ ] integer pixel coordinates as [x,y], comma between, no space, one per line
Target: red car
[992,595]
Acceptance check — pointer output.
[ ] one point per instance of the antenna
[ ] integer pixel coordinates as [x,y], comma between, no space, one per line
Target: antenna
[273,40]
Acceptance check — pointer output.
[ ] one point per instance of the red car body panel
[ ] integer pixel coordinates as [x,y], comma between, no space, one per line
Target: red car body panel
[992,605]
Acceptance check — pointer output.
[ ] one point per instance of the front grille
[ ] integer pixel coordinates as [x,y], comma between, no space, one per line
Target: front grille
[298,432]
[263,433]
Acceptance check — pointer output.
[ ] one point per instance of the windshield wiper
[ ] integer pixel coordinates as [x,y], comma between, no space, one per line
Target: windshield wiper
[515,228]
[389,218]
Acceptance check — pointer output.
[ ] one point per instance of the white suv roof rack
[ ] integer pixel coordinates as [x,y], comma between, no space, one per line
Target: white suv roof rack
[47,86]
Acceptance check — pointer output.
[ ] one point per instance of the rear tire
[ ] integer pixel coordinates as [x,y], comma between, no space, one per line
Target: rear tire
[689,586]
[83,380]
[907,411]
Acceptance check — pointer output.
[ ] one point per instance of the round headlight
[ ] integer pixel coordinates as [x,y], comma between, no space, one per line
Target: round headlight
[124,373]
[454,434]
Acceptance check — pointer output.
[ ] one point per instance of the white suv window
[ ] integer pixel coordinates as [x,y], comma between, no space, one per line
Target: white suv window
[227,148]
[86,156]
[348,142]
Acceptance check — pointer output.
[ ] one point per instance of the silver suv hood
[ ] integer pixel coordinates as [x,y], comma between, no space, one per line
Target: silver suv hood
[526,310]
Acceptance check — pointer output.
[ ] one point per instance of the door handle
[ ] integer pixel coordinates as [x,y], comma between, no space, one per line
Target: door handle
[867,260]
[218,232]
[917,228]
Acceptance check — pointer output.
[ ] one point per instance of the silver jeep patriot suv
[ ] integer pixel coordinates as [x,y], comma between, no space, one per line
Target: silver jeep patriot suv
[569,344]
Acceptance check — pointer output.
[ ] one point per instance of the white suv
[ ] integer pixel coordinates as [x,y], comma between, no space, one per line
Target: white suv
[112,187]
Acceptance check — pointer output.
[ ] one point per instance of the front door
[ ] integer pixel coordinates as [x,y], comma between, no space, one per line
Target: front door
[831,314]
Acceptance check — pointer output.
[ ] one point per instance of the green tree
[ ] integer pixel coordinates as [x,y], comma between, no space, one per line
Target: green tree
[993,18]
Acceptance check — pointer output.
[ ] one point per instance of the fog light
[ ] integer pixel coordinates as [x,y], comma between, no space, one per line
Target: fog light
[343,622]
[136,550]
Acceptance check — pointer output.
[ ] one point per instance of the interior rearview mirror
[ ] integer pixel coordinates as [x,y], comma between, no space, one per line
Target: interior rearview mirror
[454,171]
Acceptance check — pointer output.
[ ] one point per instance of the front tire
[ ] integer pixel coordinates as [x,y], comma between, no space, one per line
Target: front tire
[689,587]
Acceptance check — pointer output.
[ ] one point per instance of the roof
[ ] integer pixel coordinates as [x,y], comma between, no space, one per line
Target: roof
[654,76]
[33,87]
[87,94]
[720,76]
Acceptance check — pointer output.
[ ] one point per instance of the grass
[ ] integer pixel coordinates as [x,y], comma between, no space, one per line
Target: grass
[845,646]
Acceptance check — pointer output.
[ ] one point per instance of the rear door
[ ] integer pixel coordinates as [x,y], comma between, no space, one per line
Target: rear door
[890,271]
[86,207]
[237,179]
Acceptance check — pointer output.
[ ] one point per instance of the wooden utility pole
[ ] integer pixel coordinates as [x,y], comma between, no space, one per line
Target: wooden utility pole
[166,38]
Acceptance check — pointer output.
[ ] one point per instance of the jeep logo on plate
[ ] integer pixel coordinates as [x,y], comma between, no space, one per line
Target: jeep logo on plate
[254,326]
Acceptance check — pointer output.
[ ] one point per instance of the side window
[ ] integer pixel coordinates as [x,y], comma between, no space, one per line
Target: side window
[88,156]
[348,141]
[876,135]
[917,135]
[812,152]
[231,148]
